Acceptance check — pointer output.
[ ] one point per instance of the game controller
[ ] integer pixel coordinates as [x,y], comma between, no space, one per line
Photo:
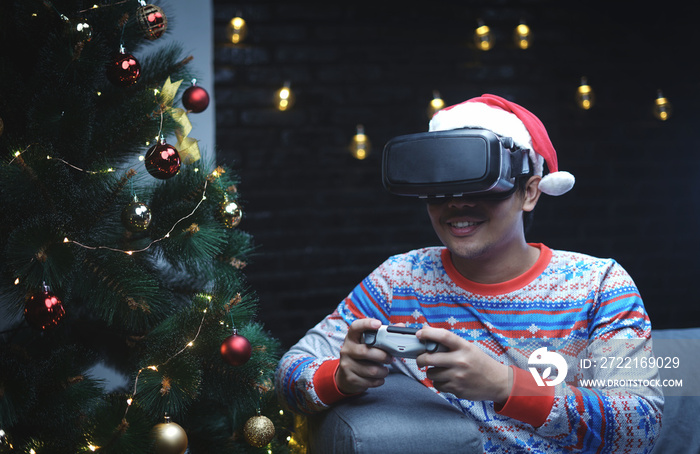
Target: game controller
[400,341]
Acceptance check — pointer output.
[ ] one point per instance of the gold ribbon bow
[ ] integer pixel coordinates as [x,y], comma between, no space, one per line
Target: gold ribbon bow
[188,147]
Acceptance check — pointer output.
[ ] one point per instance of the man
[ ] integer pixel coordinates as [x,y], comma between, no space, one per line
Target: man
[498,304]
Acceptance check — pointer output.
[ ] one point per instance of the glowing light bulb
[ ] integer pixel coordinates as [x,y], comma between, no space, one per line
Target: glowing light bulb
[662,108]
[483,37]
[435,104]
[284,97]
[360,146]
[237,30]
[584,95]
[522,36]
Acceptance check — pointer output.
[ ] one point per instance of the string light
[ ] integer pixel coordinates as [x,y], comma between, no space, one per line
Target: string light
[483,37]
[4,441]
[17,154]
[522,36]
[147,247]
[91,172]
[584,95]
[284,97]
[360,146]
[662,107]
[95,6]
[435,104]
[189,344]
[237,29]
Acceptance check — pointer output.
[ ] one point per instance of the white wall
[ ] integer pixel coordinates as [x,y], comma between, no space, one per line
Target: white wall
[190,23]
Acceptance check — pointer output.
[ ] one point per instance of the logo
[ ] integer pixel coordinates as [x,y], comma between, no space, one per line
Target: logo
[542,356]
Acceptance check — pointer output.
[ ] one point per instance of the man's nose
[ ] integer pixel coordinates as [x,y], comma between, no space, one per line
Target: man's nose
[460,202]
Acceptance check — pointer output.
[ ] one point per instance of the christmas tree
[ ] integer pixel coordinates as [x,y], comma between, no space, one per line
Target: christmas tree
[120,245]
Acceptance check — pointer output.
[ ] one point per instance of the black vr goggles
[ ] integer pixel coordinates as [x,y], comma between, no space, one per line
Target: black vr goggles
[453,163]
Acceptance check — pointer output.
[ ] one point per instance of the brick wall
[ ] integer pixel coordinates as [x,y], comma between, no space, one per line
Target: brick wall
[321,218]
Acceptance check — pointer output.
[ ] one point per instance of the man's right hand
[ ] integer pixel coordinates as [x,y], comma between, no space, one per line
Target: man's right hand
[361,367]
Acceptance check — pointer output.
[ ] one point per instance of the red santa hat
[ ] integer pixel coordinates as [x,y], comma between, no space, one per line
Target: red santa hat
[508,119]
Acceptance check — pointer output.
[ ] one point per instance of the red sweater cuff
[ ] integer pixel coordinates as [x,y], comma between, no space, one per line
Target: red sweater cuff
[527,401]
[325,385]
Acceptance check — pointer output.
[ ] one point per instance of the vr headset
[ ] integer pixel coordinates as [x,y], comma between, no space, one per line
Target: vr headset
[453,163]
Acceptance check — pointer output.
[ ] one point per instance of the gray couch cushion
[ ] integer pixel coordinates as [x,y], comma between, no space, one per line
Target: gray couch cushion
[402,416]
[680,431]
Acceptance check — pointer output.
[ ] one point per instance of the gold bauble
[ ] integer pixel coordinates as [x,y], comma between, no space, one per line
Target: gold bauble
[169,438]
[231,213]
[136,216]
[259,431]
[152,21]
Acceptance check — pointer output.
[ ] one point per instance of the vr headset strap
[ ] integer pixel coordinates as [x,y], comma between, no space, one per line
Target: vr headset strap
[519,162]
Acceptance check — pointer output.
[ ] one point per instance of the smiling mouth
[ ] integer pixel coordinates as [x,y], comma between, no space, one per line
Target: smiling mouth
[463,228]
[463,224]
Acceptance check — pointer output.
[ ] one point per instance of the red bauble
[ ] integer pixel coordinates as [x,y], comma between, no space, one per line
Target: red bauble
[195,99]
[123,70]
[162,161]
[42,309]
[236,349]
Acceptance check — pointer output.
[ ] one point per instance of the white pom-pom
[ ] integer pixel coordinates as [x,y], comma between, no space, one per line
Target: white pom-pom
[557,183]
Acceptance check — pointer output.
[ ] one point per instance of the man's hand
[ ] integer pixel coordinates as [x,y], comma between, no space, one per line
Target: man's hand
[360,366]
[465,371]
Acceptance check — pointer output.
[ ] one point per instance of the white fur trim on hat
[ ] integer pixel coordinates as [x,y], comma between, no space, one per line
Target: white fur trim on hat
[557,183]
[478,115]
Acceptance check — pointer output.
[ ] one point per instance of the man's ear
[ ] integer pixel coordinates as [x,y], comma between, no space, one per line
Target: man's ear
[532,193]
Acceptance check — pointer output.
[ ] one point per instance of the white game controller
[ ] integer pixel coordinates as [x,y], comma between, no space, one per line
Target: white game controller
[400,341]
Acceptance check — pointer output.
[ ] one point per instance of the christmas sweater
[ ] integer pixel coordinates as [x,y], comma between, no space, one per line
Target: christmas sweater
[580,307]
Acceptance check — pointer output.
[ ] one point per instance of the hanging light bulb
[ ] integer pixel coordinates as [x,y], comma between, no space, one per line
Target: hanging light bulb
[483,37]
[360,146]
[522,35]
[435,104]
[284,97]
[584,95]
[662,108]
[237,29]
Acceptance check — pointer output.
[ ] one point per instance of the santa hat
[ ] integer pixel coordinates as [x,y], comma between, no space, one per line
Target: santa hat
[508,119]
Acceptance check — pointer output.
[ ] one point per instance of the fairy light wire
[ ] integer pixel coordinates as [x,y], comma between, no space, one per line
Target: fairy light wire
[91,172]
[18,154]
[167,235]
[189,344]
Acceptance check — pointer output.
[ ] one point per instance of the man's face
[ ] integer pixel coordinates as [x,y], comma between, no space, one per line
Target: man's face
[475,228]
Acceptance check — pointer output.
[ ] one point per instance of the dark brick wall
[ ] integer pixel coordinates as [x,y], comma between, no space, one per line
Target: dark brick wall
[321,218]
